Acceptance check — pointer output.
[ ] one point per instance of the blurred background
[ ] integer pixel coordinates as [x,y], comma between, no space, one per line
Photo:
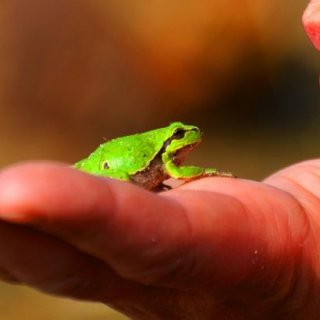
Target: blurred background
[75,72]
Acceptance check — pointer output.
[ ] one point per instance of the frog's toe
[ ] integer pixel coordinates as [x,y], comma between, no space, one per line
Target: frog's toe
[225,174]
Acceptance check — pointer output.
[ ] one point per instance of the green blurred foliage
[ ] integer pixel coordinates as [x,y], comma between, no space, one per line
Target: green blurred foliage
[73,72]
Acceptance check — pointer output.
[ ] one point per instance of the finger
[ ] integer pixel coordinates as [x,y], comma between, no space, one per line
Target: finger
[117,222]
[311,22]
[302,180]
[141,235]
[29,196]
[55,267]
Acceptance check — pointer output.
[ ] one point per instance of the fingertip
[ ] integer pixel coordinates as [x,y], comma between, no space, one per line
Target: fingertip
[30,190]
[20,186]
[311,22]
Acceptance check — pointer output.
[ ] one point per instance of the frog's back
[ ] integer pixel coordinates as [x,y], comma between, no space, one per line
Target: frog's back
[130,154]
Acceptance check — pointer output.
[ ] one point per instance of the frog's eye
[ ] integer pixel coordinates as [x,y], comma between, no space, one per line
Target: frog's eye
[178,134]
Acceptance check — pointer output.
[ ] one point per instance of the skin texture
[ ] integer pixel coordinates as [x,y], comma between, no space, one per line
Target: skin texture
[215,248]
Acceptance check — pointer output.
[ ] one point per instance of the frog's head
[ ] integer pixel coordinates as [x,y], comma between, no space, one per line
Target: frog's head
[182,139]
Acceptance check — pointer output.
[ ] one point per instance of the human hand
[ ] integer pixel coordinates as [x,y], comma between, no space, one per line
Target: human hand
[311,22]
[215,248]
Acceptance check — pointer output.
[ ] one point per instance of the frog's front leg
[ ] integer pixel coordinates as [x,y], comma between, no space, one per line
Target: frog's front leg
[192,172]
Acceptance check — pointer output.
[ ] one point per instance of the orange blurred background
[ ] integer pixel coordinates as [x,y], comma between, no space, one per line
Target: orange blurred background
[73,72]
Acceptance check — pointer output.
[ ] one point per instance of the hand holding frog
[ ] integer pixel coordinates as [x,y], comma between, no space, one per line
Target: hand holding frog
[214,248]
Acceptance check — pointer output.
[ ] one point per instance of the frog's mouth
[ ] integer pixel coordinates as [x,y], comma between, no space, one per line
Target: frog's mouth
[181,154]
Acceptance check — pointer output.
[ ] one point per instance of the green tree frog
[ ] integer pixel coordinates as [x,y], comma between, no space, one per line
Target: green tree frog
[149,158]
